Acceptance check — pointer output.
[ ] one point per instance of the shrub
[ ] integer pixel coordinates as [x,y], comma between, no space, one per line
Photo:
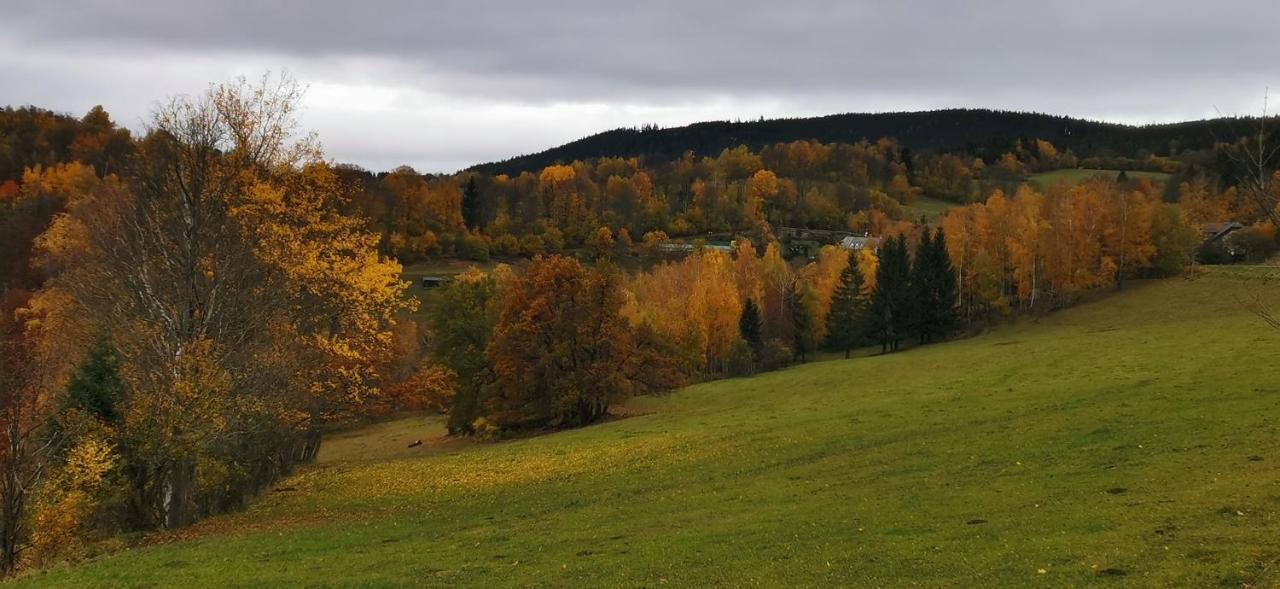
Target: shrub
[531,245]
[1214,252]
[67,501]
[775,354]
[505,245]
[473,247]
[741,361]
[1256,244]
[485,430]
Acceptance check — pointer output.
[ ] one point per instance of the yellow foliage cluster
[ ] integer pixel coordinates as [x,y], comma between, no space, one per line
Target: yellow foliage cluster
[1016,251]
[66,501]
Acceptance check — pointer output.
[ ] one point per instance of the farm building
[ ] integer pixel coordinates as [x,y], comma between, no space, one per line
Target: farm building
[671,247]
[858,242]
[432,281]
[1211,232]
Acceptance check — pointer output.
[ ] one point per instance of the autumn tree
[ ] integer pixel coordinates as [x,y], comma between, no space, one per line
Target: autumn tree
[566,205]
[1175,240]
[246,308]
[561,352]
[601,243]
[461,321]
[26,444]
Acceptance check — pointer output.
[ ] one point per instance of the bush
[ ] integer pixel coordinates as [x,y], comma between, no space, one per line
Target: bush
[553,240]
[505,245]
[531,245]
[1254,243]
[775,354]
[741,361]
[1214,252]
[68,500]
[485,430]
[474,247]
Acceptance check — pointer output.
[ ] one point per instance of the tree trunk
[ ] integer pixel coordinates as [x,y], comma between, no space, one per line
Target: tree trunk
[178,494]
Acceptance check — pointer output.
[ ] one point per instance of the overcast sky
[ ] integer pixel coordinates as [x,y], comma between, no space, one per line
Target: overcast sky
[444,84]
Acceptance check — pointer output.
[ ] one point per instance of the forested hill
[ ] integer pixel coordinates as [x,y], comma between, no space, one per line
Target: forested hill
[977,131]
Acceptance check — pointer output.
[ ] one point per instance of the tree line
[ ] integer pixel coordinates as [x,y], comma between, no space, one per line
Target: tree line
[981,133]
[559,343]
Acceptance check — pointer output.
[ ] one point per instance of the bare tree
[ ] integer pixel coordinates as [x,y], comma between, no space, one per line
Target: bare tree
[26,441]
[1254,159]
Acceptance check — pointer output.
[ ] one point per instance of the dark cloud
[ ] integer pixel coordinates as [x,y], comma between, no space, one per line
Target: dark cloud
[448,83]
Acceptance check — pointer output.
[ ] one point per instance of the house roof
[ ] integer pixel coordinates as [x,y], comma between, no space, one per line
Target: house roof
[1214,231]
[855,242]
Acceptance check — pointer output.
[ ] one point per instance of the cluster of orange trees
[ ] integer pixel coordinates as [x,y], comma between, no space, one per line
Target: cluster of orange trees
[204,308]
[860,187]
[558,343]
[1036,249]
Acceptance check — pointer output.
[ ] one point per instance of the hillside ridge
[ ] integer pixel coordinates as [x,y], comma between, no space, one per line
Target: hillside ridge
[981,132]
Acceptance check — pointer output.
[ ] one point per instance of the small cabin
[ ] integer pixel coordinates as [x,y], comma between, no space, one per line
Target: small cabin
[432,281]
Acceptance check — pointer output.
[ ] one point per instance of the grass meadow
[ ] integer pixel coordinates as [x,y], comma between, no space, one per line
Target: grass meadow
[1130,441]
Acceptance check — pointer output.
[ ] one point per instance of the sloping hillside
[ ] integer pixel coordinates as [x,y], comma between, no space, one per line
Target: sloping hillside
[1132,440]
[977,131]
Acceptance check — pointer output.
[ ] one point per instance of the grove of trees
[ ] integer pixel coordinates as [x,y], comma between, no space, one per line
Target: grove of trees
[202,308]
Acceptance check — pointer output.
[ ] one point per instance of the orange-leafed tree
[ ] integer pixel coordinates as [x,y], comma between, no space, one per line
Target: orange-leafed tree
[246,307]
[561,351]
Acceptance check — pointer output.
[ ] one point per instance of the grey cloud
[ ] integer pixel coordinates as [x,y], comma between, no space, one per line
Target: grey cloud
[1113,59]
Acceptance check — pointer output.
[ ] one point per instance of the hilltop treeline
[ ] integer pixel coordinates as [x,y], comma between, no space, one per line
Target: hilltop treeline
[973,132]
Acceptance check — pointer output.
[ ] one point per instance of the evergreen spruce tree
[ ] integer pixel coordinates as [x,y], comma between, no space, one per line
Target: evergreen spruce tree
[923,274]
[889,317]
[846,322]
[944,315]
[749,327]
[96,386]
[800,321]
[471,204]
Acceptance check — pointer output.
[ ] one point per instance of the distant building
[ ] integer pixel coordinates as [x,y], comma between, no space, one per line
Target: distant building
[1223,234]
[432,281]
[858,242]
[672,247]
[1211,232]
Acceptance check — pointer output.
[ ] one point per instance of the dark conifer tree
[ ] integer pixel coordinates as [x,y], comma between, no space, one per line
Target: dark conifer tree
[471,205]
[749,327]
[800,321]
[889,317]
[920,291]
[944,315]
[96,387]
[846,322]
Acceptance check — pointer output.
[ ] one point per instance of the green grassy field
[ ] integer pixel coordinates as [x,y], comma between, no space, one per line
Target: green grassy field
[932,208]
[1046,180]
[1132,441]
